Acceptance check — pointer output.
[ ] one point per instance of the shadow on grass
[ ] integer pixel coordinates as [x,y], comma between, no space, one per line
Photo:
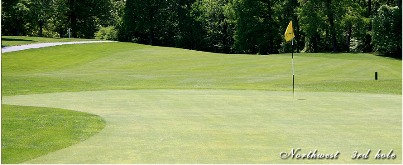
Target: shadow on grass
[397,56]
[15,39]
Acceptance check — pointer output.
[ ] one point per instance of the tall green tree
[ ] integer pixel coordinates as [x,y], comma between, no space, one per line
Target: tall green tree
[286,11]
[333,25]
[51,17]
[41,12]
[117,12]
[85,17]
[189,33]
[256,27]
[355,25]
[387,34]
[150,22]
[15,16]
[372,8]
[58,22]
[313,24]
[216,29]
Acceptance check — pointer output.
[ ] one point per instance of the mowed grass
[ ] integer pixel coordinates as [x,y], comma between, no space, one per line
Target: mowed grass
[131,67]
[24,40]
[29,132]
[226,126]
[114,66]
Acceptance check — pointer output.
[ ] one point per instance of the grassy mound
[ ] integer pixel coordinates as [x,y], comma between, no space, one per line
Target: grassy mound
[29,132]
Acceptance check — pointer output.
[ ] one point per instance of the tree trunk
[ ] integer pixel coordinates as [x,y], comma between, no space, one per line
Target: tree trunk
[331,22]
[73,19]
[368,38]
[369,8]
[152,23]
[349,31]
[295,5]
[40,28]
[297,36]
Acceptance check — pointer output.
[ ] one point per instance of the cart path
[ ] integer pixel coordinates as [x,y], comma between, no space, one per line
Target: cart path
[42,45]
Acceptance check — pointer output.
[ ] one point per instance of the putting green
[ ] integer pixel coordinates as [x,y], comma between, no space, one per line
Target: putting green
[226,126]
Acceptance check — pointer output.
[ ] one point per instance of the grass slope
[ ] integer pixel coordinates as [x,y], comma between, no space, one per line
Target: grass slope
[24,40]
[127,66]
[114,66]
[29,132]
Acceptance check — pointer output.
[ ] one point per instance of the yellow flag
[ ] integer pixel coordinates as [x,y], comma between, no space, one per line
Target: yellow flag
[289,33]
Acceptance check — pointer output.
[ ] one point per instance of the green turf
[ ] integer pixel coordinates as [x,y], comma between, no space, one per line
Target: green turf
[24,40]
[226,126]
[115,66]
[29,132]
[333,87]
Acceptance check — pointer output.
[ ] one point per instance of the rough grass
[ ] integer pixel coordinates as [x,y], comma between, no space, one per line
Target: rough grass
[29,132]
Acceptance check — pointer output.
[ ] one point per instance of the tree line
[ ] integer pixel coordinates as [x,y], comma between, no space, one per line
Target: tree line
[53,18]
[227,26]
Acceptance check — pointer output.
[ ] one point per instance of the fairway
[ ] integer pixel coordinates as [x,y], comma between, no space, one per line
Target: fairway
[170,105]
[225,126]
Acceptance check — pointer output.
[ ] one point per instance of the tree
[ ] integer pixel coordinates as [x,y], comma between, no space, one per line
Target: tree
[330,15]
[210,15]
[117,12]
[372,7]
[53,17]
[190,33]
[256,29]
[312,24]
[14,17]
[286,11]
[85,17]
[58,22]
[150,22]
[41,12]
[355,25]
[387,34]
[333,25]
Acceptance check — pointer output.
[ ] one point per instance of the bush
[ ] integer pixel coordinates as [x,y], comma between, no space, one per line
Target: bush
[107,33]
[387,31]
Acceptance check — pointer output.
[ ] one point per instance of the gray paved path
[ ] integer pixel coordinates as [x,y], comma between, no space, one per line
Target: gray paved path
[41,45]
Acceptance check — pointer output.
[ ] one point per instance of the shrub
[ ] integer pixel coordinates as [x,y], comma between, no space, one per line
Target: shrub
[107,33]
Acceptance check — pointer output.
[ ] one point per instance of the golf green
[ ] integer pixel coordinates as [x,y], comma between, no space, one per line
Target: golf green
[227,126]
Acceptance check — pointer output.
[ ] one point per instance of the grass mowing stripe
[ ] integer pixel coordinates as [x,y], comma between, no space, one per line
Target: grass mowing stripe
[30,132]
[115,66]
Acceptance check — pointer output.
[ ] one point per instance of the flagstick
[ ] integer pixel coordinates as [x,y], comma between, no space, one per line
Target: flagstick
[292,56]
